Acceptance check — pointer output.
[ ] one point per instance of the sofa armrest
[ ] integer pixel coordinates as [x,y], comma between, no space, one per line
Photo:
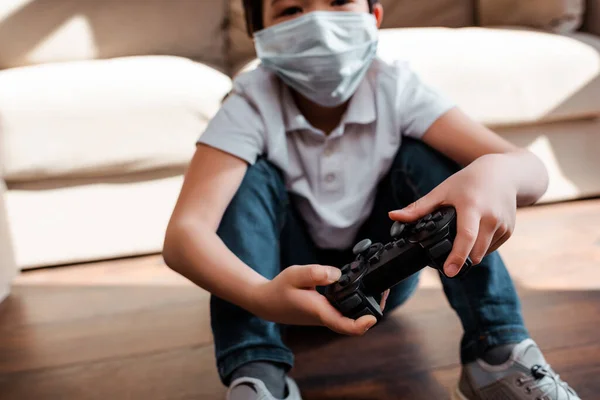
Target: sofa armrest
[8,267]
[591,23]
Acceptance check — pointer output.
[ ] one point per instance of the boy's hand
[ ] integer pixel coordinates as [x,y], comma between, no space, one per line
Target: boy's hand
[485,199]
[291,299]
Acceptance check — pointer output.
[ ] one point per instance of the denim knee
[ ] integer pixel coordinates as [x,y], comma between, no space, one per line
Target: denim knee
[418,169]
[263,185]
[400,293]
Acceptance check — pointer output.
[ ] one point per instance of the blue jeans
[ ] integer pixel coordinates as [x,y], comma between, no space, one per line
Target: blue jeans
[264,230]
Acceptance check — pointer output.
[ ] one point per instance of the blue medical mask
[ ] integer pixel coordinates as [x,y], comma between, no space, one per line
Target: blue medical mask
[324,55]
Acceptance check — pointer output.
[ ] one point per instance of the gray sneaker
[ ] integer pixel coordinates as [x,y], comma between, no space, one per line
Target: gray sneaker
[525,376]
[255,389]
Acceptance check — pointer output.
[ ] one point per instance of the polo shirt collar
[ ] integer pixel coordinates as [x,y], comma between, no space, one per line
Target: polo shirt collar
[361,109]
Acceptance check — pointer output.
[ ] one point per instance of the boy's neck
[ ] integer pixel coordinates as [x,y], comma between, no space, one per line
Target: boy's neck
[323,118]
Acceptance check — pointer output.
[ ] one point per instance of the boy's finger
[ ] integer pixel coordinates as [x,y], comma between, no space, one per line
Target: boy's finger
[351,327]
[309,276]
[334,320]
[420,208]
[467,232]
[482,244]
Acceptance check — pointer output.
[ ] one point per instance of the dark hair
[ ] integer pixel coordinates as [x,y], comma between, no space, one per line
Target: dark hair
[253,10]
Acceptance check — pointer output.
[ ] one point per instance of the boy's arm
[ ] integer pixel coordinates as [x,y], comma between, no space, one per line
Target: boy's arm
[464,140]
[193,249]
[210,183]
[497,179]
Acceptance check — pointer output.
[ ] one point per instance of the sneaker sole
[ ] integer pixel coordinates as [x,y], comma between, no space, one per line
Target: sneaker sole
[457,395]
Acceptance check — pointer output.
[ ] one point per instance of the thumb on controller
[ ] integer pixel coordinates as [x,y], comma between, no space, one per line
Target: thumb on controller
[310,276]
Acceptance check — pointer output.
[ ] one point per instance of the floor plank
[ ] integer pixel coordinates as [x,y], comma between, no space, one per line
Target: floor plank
[101,336]
[170,375]
[403,358]
[556,247]
[133,329]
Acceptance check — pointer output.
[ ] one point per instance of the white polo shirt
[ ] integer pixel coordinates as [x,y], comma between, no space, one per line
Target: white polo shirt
[334,176]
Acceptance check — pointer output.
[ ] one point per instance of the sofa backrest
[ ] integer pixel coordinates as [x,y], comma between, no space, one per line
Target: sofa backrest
[214,32]
[559,16]
[419,13]
[41,31]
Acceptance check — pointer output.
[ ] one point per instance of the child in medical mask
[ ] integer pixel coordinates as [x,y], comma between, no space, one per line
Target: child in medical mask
[324,144]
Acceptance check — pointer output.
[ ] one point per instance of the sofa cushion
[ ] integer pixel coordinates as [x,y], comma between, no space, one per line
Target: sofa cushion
[104,117]
[121,217]
[33,32]
[558,16]
[397,13]
[504,76]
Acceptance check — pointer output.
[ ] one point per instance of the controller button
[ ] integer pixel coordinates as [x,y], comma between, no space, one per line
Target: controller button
[351,302]
[397,229]
[373,250]
[374,260]
[428,218]
[355,266]
[400,243]
[438,216]
[344,280]
[431,226]
[388,246]
[362,246]
[441,249]
[420,226]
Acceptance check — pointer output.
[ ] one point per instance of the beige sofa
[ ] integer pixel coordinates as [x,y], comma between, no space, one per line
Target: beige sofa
[101,102]
[8,267]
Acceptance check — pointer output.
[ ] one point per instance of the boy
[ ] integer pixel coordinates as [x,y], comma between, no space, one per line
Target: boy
[324,144]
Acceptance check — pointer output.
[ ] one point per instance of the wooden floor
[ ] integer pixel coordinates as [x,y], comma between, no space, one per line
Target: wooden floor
[132,329]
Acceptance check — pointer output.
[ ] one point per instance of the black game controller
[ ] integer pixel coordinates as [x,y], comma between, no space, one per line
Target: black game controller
[378,267]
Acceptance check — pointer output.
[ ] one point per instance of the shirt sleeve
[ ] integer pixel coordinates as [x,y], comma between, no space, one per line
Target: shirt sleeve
[419,105]
[237,129]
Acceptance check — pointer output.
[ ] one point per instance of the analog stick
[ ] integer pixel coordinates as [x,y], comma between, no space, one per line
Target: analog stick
[362,247]
[397,229]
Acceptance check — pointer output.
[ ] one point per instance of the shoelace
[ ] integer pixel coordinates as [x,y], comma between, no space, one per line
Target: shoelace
[538,373]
